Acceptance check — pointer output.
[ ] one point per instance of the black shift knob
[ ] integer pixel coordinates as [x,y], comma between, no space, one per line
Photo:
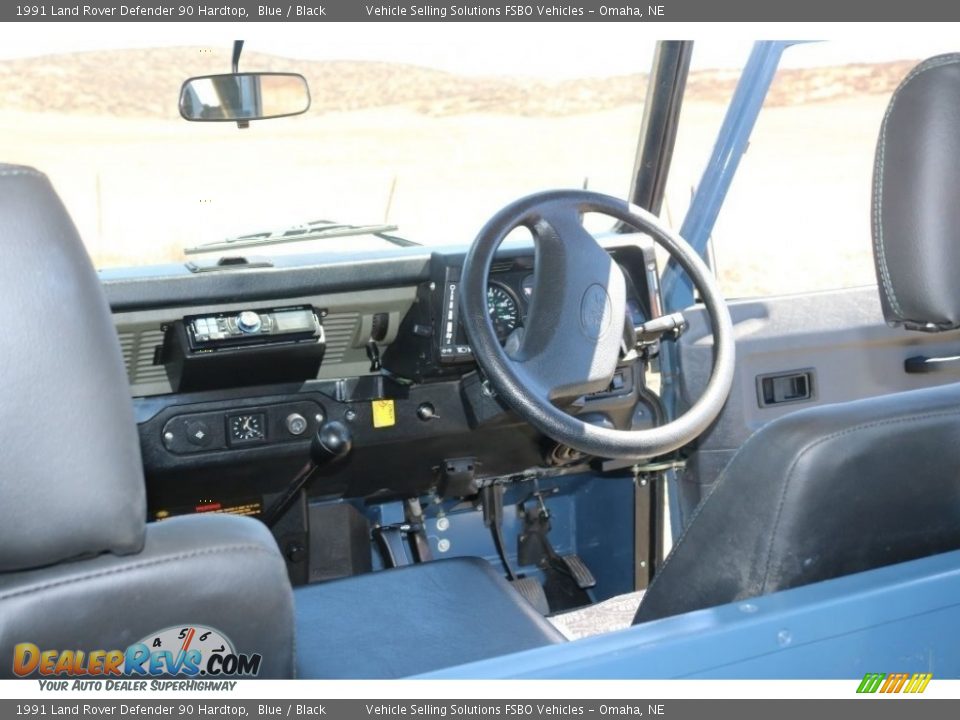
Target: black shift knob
[332,443]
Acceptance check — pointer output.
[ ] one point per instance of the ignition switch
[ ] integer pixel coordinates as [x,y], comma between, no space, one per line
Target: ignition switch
[427,412]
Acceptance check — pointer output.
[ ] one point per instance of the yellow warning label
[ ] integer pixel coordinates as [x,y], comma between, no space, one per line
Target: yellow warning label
[383,414]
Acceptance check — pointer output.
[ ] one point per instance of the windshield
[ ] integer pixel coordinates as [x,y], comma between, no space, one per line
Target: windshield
[429,132]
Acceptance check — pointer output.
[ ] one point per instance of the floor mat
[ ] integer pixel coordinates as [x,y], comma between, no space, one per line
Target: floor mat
[613,614]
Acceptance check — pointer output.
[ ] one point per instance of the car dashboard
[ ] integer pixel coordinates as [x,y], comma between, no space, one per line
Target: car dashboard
[388,357]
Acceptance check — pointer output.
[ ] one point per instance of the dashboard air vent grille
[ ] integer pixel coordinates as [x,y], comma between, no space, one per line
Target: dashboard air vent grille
[138,347]
[339,329]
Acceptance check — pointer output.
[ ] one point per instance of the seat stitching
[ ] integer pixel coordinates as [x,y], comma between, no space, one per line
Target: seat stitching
[878,241]
[134,566]
[807,448]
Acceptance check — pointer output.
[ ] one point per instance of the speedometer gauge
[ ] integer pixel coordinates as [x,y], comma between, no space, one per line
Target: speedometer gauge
[503,309]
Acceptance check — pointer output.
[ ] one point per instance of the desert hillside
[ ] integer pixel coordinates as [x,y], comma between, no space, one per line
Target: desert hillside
[49,85]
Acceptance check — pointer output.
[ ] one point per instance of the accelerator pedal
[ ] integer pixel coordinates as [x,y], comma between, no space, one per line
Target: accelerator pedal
[533,593]
[578,571]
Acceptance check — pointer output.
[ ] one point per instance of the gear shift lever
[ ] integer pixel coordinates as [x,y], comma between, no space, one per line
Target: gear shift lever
[331,444]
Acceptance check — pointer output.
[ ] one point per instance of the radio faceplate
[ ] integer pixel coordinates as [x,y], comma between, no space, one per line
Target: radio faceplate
[252,327]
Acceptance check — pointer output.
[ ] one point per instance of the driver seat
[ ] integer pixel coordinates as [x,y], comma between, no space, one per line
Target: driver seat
[844,488]
[80,568]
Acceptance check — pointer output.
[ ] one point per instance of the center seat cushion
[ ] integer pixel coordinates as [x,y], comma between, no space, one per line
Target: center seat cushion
[412,620]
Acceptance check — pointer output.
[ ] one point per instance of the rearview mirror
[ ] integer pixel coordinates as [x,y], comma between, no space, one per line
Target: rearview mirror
[243,96]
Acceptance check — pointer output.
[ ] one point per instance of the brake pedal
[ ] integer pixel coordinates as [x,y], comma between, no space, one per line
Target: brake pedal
[579,571]
[533,593]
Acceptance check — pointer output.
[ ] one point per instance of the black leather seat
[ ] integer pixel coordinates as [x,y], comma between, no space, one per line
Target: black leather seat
[79,566]
[412,620]
[843,488]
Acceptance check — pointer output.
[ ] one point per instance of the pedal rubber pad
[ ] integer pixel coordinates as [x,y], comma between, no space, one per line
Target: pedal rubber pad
[533,593]
[579,571]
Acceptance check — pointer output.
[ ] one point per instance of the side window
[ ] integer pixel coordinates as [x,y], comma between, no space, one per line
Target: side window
[797,217]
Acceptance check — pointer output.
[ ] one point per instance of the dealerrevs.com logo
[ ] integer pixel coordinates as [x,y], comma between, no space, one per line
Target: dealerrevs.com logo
[190,651]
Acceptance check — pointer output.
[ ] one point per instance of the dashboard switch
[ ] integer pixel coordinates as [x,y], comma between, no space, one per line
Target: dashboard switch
[427,412]
[198,433]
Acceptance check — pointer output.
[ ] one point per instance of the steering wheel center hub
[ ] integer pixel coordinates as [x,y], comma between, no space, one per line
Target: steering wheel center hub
[596,312]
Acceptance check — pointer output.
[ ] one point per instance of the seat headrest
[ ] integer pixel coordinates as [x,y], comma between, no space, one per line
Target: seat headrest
[71,477]
[916,199]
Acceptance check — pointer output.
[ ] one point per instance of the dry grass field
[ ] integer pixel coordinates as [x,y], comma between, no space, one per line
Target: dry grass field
[437,153]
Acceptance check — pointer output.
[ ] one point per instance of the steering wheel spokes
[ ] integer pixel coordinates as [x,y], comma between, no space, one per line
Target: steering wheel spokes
[574,334]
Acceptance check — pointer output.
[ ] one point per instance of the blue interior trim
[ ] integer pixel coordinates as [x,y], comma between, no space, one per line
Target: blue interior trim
[900,618]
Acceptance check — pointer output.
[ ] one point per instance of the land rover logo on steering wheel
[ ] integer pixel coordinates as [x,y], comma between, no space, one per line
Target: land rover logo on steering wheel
[595,312]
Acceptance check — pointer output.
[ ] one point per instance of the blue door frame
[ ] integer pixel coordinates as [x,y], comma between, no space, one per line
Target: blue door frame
[729,147]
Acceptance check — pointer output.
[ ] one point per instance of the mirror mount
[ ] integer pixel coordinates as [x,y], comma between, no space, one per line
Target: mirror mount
[235,64]
[237,49]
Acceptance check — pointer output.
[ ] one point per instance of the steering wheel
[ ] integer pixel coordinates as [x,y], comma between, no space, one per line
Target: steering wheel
[571,342]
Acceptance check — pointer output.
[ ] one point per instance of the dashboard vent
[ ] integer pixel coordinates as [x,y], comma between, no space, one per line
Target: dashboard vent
[138,347]
[502,266]
[339,329]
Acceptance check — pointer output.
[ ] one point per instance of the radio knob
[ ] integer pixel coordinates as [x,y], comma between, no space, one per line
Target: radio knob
[248,322]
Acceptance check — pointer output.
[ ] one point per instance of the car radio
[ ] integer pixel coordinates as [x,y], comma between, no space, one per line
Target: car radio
[250,327]
[243,347]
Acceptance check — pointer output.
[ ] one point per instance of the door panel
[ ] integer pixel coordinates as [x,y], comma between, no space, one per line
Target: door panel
[839,338]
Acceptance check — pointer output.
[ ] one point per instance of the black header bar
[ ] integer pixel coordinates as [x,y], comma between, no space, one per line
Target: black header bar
[483,11]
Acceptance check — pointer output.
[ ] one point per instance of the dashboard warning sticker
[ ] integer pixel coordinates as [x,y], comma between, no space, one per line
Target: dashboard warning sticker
[251,507]
[383,414]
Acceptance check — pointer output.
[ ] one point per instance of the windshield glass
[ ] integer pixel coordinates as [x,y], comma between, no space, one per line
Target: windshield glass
[431,132]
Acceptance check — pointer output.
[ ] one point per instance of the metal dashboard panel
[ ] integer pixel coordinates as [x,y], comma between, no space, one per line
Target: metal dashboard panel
[347,327]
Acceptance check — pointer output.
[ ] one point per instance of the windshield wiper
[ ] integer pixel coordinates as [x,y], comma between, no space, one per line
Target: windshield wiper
[315,230]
